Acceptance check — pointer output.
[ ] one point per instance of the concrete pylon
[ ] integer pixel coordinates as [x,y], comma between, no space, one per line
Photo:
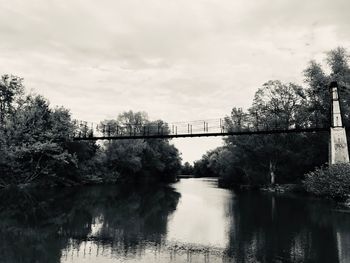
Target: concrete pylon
[338,146]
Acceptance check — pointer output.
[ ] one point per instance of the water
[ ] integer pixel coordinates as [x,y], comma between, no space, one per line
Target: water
[192,221]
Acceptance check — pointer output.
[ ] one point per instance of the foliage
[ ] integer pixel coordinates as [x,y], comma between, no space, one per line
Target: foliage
[331,181]
[11,89]
[34,137]
[187,169]
[36,146]
[281,158]
[206,166]
[135,161]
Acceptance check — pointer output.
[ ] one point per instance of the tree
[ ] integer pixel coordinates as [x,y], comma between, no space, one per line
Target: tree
[187,169]
[237,121]
[276,105]
[318,94]
[35,144]
[139,161]
[11,91]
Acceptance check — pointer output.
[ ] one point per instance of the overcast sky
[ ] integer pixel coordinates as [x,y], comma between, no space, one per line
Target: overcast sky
[177,60]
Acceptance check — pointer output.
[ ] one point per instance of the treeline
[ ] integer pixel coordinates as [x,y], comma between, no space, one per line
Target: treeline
[37,147]
[281,158]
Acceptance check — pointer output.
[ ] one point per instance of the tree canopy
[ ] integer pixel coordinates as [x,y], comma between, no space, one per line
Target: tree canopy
[287,157]
[37,147]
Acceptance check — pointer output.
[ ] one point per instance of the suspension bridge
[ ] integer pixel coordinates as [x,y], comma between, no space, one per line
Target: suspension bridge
[113,130]
[162,130]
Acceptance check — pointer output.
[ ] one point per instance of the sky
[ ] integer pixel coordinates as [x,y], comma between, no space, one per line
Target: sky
[177,60]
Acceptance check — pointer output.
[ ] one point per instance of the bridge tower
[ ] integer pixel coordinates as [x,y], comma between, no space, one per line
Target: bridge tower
[338,146]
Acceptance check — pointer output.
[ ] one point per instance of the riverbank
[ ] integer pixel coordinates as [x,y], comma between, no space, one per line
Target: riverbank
[297,189]
[90,181]
[277,188]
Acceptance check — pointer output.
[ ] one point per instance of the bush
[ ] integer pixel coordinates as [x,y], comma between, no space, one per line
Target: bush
[330,181]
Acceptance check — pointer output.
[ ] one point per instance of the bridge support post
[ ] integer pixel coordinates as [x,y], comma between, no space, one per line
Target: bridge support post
[338,146]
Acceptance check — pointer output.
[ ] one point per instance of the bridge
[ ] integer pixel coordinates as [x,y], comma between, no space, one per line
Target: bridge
[169,131]
[338,148]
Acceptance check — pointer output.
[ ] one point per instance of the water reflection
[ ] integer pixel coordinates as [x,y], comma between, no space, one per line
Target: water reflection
[201,217]
[195,221]
[269,228]
[39,227]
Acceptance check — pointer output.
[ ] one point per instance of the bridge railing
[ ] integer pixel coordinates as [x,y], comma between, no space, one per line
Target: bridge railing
[180,129]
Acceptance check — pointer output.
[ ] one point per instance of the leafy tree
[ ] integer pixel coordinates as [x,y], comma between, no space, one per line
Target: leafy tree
[11,91]
[187,169]
[136,161]
[317,93]
[332,181]
[34,144]
[276,105]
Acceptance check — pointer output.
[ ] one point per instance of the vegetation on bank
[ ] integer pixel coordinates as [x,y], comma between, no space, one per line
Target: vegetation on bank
[329,181]
[283,158]
[187,169]
[36,146]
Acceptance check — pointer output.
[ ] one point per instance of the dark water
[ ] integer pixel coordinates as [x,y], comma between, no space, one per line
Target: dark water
[192,221]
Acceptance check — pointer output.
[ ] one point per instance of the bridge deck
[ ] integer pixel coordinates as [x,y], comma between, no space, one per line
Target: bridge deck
[204,134]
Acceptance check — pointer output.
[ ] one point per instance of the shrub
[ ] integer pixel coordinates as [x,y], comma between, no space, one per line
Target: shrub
[331,181]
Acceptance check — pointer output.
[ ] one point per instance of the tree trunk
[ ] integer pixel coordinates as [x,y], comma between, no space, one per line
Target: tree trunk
[272,173]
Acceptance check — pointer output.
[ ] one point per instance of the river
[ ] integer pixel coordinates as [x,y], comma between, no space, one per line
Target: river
[192,220]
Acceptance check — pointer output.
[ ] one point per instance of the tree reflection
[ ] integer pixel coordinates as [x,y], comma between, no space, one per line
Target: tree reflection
[38,226]
[268,228]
